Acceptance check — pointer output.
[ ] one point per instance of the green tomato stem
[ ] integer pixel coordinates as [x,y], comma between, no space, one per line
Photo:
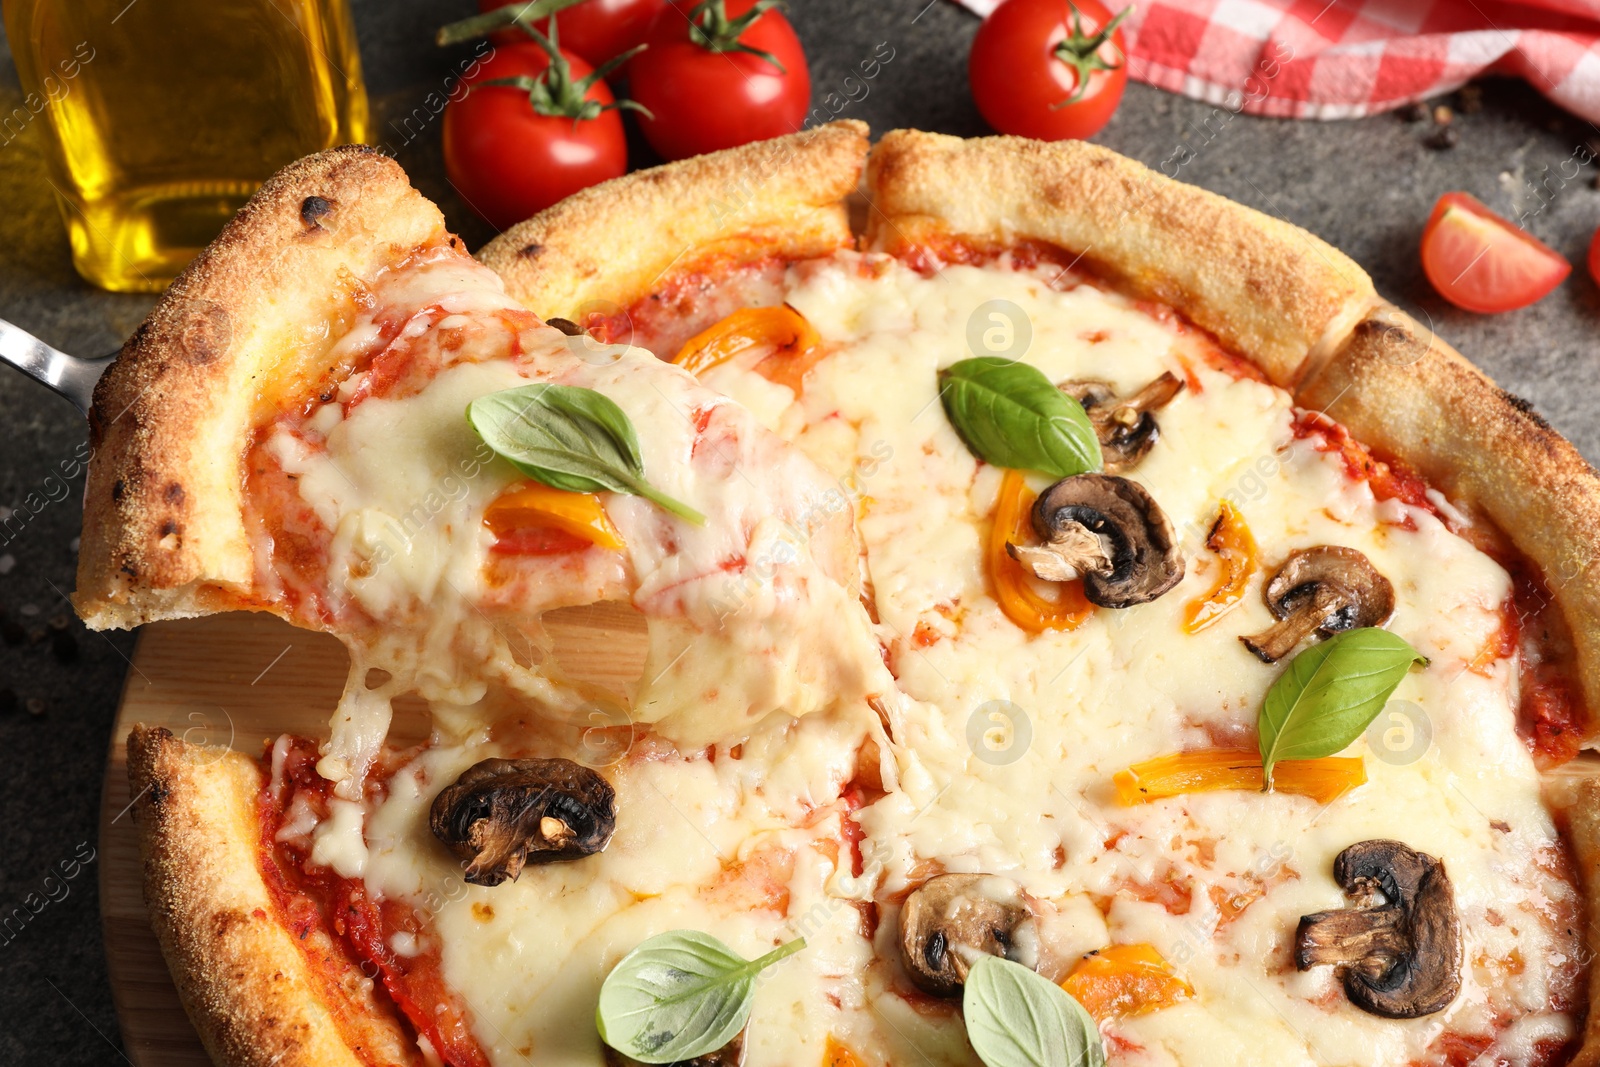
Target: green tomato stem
[1082,53]
[499,19]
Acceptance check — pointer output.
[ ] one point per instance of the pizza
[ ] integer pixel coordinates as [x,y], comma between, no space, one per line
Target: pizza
[1075,617]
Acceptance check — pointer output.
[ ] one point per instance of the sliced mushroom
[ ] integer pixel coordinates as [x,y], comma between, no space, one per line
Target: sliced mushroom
[1327,589]
[1108,531]
[729,1055]
[502,814]
[953,919]
[1126,428]
[1400,946]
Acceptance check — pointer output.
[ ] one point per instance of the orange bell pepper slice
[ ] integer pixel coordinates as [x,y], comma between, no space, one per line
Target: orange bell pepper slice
[1323,780]
[1125,980]
[1013,588]
[782,328]
[836,1054]
[532,504]
[1235,547]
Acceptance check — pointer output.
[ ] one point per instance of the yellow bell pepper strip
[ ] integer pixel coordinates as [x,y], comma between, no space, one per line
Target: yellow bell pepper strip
[1323,780]
[1125,980]
[781,328]
[531,505]
[1236,550]
[1012,584]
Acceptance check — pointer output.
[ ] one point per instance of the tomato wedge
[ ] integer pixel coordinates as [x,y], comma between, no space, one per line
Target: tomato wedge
[1479,261]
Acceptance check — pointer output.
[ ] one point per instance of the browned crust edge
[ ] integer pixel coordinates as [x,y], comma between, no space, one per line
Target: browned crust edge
[163,533]
[602,249]
[1403,391]
[1583,832]
[243,979]
[1266,289]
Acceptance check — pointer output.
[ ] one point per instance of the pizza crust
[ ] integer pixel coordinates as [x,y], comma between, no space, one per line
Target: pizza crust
[1584,833]
[1268,290]
[1403,391]
[163,530]
[244,980]
[607,246]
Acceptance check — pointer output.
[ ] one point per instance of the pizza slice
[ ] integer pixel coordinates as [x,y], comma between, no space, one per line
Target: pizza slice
[291,436]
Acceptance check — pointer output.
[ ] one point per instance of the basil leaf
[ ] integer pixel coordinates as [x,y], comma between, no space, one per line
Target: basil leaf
[1330,694]
[1010,415]
[1016,1018]
[568,438]
[680,995]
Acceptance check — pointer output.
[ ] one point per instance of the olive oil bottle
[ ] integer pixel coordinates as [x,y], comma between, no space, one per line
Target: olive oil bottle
[161,117]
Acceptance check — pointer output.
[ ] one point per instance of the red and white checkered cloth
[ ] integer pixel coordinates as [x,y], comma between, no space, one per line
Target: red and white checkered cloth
[1335,59]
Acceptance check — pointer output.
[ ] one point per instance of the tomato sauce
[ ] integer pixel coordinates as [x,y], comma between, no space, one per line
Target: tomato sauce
[538,541]
[313,898]
[931,254]
[1552,716]
[1389,479]
[293,537]
[685,302]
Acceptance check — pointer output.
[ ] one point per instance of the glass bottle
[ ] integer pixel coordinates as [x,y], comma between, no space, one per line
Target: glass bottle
[161,117]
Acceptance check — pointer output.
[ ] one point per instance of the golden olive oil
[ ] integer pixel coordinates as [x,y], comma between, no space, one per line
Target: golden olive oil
[161,117]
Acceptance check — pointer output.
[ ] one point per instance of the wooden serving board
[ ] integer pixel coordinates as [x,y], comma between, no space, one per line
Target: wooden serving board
[240,680]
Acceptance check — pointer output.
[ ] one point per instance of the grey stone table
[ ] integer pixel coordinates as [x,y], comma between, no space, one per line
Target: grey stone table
[1364,186]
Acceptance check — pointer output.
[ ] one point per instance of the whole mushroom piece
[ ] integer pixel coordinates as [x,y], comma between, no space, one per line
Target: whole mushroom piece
[1110,532]
[1400,945]
[1127,428]
[951,920]
[502,814]
[1327,589]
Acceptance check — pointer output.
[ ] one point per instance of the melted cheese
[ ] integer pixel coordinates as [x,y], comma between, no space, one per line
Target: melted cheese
[402,482]
[749,848]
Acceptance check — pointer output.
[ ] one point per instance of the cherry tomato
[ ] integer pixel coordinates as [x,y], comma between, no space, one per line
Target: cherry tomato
[1594,257]
[1479,261]
[720,73]
[1049,69]
[597,30]
[513,150]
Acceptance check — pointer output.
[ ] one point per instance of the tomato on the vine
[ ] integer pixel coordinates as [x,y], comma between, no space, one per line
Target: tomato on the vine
[537,124]
[597,30]
[1479,261]
[720,73]
[1048,69]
